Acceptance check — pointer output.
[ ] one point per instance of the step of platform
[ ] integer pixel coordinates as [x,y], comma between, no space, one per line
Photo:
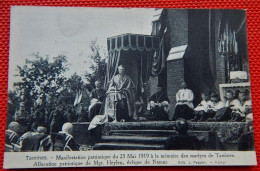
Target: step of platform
[134,139]
[153,125]
[126,146]
[149,133]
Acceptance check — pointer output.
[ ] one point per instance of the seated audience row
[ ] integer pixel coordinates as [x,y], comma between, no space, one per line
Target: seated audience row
[39,140]
[234,109]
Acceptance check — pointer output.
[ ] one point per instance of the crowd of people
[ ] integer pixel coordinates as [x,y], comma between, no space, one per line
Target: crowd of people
[39,140]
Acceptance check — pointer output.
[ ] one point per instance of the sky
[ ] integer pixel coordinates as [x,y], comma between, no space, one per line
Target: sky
[69,30]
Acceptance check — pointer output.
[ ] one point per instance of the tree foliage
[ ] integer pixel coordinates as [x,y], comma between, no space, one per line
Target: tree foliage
[98,67]
[42,83]
[40,79]
[74,86]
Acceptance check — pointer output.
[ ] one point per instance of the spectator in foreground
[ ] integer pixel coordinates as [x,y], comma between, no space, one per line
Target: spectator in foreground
[182,141]
[41,141]
[11,136]
[64,141]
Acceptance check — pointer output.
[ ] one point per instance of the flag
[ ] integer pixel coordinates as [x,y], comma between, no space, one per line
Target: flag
[76,99]
[80,96]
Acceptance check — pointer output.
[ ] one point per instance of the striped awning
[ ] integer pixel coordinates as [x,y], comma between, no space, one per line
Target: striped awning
[134,42]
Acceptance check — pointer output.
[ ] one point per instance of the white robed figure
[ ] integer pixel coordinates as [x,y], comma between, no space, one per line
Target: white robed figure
[119,101]
[184,106]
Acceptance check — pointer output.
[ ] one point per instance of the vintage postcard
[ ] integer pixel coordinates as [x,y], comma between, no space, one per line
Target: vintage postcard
[97,87]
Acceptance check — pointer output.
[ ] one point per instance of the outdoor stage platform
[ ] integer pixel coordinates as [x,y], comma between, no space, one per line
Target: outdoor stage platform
[152,135]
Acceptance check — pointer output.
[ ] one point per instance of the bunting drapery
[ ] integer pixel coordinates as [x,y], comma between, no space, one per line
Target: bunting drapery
[134,42]
[158,61]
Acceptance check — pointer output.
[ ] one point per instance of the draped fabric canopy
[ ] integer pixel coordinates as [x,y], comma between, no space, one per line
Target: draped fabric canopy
[139,53]
[133,42]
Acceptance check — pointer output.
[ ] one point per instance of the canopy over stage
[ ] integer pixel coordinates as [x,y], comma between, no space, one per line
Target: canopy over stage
[134,42]
[140,54]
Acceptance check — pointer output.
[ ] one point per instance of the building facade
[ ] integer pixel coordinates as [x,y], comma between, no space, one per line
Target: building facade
[205,48]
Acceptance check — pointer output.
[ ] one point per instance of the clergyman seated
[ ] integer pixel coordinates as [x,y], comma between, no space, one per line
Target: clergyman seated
[159,105]
[202,109]
[96,102]
[244,108]
[184,107]
[224,113]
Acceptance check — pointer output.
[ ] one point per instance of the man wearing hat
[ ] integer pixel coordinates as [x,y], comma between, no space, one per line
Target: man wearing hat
[184,107]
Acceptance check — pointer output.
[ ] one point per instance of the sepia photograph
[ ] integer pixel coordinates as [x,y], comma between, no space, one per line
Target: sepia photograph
[128,87]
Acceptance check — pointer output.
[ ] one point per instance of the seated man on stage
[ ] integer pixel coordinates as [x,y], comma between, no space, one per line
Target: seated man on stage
[184,107]
[159,105]
[201,110]
[224,113]
[214,104]
[96,102]
[244,109]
